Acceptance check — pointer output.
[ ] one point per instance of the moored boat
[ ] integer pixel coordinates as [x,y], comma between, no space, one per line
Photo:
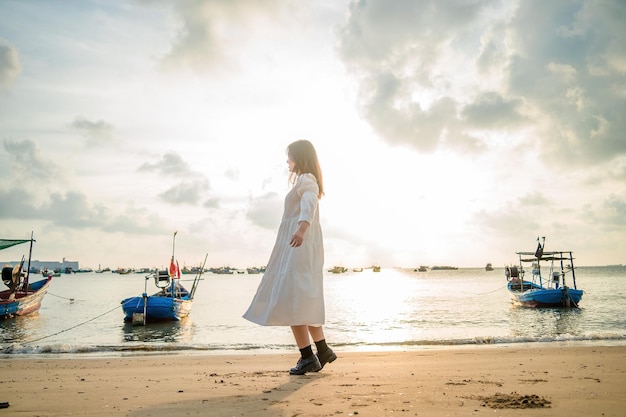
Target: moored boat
[48,273]
[172,302]
[552,282]
[22,297]
[224,270]
[443,268]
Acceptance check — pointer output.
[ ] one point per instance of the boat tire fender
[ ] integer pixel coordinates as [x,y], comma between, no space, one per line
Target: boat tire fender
[11,276]
[511,272]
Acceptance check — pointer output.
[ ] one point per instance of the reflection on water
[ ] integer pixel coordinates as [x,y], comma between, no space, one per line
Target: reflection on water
[549,323]
[175,331]
[19,329]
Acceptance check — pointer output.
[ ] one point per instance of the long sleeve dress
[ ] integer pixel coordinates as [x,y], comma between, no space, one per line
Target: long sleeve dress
[291,291]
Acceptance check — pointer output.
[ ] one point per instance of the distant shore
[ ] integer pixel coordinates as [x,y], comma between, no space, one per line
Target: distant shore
[557,381]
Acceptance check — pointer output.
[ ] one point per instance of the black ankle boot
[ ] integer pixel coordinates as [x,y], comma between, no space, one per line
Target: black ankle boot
[310,364]
[326,356]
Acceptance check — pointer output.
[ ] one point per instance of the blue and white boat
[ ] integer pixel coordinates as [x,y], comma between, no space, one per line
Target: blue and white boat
[22,297]
[171,303]
[552,282]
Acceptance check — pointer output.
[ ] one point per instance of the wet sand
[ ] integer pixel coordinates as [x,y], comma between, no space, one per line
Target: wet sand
[489,381]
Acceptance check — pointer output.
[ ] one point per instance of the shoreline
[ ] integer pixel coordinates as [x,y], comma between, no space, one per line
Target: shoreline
[169,350]
[454,381]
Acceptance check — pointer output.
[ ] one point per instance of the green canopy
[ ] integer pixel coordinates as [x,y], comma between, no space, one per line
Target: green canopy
[7,243]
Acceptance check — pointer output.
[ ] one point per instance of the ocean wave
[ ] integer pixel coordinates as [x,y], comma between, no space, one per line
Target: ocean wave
[176,348]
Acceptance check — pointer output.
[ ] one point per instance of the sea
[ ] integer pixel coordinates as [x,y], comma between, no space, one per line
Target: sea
[394,309]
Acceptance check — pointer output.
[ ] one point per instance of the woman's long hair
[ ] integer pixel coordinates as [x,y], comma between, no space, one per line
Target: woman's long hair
[303,154]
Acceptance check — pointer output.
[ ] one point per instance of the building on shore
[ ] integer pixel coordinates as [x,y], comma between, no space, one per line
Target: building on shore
[38,266]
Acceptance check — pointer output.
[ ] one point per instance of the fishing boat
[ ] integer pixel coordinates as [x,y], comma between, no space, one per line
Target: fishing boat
[171,303]
[48,273]
[552,282]
[444,268]
[224,270]
[22,297]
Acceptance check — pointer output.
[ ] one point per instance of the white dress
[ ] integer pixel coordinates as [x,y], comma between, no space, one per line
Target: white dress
[291,292]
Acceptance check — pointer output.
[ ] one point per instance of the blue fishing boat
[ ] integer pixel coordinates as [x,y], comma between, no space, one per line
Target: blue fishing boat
[22,297]
[552,282]
[171,303]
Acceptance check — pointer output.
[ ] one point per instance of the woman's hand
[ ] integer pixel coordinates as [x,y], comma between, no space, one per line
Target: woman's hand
[298,236]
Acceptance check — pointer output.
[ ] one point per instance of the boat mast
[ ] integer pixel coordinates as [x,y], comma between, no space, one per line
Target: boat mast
[173,244]
[197,279]
[30,254]
[571,262]
[538,254]
[173,288]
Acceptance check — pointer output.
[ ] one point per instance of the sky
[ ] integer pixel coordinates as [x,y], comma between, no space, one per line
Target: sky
[449,133]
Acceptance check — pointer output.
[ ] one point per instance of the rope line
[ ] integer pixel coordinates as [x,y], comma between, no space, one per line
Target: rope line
[65,298]
[489,292]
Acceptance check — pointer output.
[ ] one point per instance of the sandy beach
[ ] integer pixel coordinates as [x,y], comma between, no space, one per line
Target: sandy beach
[489,381]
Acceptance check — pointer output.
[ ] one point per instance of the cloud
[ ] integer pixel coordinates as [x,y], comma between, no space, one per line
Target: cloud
[10,66]
[412,124]
[212,202]
[437,74]
[518,217]
[609,215]
[95,132]
[491,110]
[413,78]
[533,199]
[28,164]
[74,210]
[187,192]
[136,220]
[36,190]
[232,174]
[211,32]
[67,210]
[593,225]
[171,164]
[192,190]
[565,68]
[15,203]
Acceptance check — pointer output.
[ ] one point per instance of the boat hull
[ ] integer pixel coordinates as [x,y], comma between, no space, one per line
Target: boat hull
[538,297]
[25,302]
[158,308]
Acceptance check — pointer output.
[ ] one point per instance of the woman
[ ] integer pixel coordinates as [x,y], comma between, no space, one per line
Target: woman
[291,292]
